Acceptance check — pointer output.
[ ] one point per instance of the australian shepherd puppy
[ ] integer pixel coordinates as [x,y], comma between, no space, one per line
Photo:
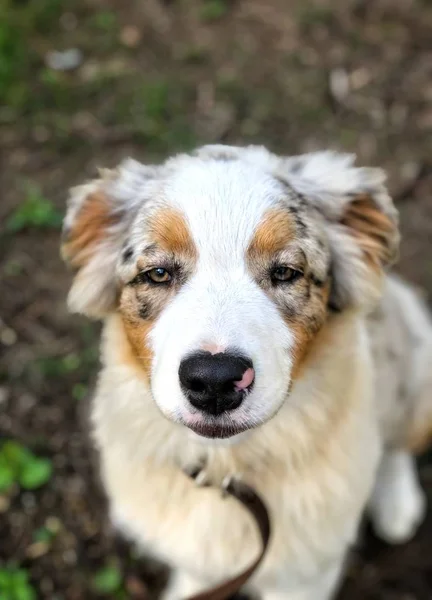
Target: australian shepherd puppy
[249,328]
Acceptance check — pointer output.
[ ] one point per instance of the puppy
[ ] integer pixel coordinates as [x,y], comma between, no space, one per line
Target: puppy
[249,327]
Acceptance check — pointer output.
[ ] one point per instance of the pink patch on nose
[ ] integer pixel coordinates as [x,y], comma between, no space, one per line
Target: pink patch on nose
[246,380]
[213,348]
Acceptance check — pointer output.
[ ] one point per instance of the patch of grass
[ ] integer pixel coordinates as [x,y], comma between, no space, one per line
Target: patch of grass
[158,112]
[12,58]
[58,366]
[79,391]
[44,534]
[311,16]
[57,90]
[108,581]
[103,27]
[15,585]
[77,368]
[35,211]
[53,367]
[155,97]
[13,268]
[89,335]
[194,55]
[20,22]
[19,465]
[230,89]
[348,137]
[105,21]
[212,10]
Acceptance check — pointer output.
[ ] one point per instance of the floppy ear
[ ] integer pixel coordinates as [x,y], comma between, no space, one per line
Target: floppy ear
[99,215]
[361,218]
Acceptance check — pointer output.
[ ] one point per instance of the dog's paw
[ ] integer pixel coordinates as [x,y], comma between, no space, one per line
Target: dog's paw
[397,510]
[399,520]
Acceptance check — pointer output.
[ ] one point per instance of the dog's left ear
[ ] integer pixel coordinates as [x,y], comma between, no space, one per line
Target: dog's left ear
[361,218]
[99,216]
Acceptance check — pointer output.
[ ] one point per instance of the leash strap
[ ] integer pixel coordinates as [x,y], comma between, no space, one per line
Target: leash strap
[255,505]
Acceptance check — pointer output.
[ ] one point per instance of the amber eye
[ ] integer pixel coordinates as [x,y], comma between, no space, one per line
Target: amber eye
[283,274]
[158,275]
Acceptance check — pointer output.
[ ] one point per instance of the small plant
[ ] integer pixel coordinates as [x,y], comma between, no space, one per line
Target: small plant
[35,211]
[58,366]
[155,98]
[310,16]
[105,21]
[79,391]
[108,581]
[47,533]
[14,585]
[212,10]
[19,465]
[19,21]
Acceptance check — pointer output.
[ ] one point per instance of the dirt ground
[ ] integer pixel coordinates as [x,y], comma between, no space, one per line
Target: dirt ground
[148,78]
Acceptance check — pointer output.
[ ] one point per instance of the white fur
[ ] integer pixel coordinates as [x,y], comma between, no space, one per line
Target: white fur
[398,503]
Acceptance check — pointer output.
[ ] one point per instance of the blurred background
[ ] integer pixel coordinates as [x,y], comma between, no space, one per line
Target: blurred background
[84,83]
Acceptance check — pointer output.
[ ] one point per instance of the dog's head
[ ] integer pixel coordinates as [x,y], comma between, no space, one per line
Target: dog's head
[223,266]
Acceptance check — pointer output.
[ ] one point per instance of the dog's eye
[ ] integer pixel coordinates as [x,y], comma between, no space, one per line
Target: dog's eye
[158,275]
[284,274]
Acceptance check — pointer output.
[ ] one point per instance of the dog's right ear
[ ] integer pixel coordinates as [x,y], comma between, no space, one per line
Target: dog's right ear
[98,217]
[360,217]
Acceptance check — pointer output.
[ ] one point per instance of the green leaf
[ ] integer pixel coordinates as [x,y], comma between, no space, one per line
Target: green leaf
[4,579]
[107,580]
[15,454]
[23,592]
[105,20]
[35,473]
[71,362]
[213,9]
[34,211]
[19,577]
[7,476]
[44,534]
[14,585]
[79,391]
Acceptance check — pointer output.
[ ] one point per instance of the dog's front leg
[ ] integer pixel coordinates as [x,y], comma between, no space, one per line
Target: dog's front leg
[323,587]
[181,585]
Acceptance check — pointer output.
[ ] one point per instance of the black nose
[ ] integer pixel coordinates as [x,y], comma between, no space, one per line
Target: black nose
[215,383]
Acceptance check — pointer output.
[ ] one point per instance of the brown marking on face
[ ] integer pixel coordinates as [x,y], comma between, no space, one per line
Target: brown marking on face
[141,302]
[139,352]
[88,229]
[169,230]
[136,329]
[306,325]
[272,235]
[137,325]
[338,408]
[374,231]
[121,346]
[303,303]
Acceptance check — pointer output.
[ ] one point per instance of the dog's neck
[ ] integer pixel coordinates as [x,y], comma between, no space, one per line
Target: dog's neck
[335,378]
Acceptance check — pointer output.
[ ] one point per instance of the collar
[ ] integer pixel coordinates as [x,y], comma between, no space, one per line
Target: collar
[253,503]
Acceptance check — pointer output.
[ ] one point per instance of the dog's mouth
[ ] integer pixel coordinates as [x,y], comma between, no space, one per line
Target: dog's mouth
[215,430]
[221,427]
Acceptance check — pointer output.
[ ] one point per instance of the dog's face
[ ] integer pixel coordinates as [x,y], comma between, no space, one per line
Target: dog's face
[223,267]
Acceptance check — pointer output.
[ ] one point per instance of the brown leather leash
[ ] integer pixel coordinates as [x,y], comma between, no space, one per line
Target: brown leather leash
[256,507]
